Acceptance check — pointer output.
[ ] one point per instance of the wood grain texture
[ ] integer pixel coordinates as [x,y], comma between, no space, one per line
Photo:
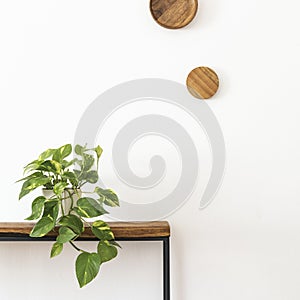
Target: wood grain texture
[120,229]
[202,82]
[173,14]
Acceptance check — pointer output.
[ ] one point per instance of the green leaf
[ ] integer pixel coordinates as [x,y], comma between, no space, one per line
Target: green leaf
[88,161]
[46,154]
[34,175]
[51,208]
[37,208]
[31,184]
[59,187]
[50,166]
[98,151]
[115,244]
[106,251]
[62,152]
[42,227]
[66,163]
[34,165]
[108,196]
[72,222]
[89,208]
[69,175]
[87,267]
[56,249]
[102,230]
[77,174]
[91,176]
[79,149]
[65,235]
[66,150]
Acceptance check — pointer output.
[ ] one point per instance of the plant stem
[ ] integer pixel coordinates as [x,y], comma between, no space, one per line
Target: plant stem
[70,196]
[62,208]
[87,223]
[75,247]
[82,184]
[88,192]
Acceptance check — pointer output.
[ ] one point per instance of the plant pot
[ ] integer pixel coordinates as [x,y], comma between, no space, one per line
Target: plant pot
[70,198]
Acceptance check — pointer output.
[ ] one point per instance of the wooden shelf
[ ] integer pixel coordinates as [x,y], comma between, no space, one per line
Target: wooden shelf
[121,230]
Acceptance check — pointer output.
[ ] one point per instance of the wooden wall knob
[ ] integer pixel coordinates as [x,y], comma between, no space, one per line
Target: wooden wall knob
[202,82]
[173,14]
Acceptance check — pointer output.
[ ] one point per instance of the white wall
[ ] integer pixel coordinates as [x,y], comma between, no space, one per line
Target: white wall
[56,57]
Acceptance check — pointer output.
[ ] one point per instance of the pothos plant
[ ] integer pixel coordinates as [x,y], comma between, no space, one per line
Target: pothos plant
[66,178]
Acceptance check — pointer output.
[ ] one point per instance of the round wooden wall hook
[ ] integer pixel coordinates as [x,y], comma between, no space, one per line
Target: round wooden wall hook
[202,82]
[173,14]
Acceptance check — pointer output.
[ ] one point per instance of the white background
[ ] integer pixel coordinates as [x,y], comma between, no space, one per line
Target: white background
[56,57]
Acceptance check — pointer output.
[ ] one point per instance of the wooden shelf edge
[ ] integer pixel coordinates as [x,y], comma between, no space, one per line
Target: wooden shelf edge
[121,230]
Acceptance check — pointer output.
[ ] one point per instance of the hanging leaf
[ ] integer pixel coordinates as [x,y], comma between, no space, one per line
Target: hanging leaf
[72,222]
[42,227]
[51,209]
[115,244]
[56,249]
[87,267]
[106,251]
[102,230]
[65,235]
